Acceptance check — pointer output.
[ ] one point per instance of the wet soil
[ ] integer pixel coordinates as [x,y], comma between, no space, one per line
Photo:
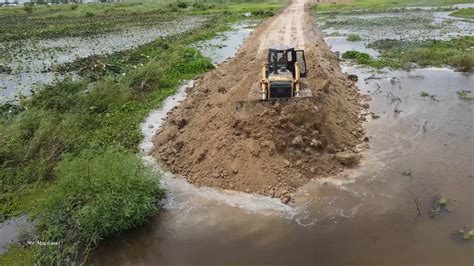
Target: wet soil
[269,148]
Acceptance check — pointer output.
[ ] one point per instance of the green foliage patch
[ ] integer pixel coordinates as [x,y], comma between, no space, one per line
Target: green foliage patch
[464,13]
[456,53]
[95,195]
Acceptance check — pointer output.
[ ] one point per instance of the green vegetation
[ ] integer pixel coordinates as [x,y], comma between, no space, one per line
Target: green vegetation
[382,5]
[79,20]
[17,256]
[424,94]
[360,23]
[464,13]
[466,233]
[353,37]
[68,152]
[402,54]
[365,59]
[95,195]
[465,95]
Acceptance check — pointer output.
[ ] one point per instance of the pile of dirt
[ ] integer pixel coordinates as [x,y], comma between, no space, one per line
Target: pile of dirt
[270,148]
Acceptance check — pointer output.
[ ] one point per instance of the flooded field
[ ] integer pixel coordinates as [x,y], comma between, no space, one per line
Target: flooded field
[31,63]
[409,25]
[404,205]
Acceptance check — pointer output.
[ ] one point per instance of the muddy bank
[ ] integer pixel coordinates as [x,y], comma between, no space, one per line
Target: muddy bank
[270,149]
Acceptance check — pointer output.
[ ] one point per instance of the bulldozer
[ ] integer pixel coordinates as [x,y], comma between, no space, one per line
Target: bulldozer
[282,73]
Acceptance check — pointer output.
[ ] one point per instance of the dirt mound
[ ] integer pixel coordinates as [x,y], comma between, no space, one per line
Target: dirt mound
[270,148]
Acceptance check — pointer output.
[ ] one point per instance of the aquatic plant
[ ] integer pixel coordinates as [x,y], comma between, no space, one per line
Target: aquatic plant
[353,37]
[465,95]
[424,94]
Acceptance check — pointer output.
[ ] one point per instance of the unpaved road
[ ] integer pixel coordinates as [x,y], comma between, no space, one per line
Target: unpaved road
[271,149]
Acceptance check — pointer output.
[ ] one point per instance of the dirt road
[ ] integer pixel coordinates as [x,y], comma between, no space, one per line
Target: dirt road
[270,149]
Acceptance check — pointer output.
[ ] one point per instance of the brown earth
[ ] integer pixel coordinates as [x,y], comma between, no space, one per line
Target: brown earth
[268,148]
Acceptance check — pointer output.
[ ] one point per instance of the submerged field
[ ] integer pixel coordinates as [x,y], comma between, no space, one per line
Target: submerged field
[436,37]
[68,151]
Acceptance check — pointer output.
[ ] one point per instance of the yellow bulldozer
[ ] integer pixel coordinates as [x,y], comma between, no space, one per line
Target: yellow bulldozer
[282,73]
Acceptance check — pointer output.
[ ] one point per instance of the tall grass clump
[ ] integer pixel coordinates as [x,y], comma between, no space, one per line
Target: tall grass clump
[457,53]
[353,38]
[95,195]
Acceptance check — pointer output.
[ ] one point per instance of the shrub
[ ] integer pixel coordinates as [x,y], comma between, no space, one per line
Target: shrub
[74,7]
[361,58]
[424,94]
[353,37]
[90,14]
[182,5]
[28,8]
[95,195]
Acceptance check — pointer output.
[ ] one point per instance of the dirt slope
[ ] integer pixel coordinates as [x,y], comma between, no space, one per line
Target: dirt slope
[270,149]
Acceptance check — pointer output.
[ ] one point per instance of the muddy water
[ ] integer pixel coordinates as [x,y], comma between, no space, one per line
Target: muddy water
[12,229]
[365,216]
[32,61]
[226,44]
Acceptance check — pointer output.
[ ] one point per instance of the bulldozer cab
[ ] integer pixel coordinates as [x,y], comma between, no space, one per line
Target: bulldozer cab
[284,58]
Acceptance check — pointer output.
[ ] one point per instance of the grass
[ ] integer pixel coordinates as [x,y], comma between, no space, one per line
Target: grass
[456,53]
[382,5]
[365,59]
[464,13]
[87,19]
[97,193]
[360,23]
[17,255]
[68,153]
[353,37]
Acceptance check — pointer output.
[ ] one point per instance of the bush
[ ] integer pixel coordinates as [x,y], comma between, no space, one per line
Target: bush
[353,37]
[74,7]
[361,58]
[182,5]
[95,195]
[28,8]
[90,14]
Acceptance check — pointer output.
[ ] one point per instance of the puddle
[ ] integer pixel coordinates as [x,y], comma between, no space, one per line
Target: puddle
[365,216]
[344,45]
[226,44]
[11,229]
[31,61]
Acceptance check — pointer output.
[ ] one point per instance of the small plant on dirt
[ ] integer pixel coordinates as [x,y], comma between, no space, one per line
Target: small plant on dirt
[466,233]
[465,95]
[353,38]
[424,94]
